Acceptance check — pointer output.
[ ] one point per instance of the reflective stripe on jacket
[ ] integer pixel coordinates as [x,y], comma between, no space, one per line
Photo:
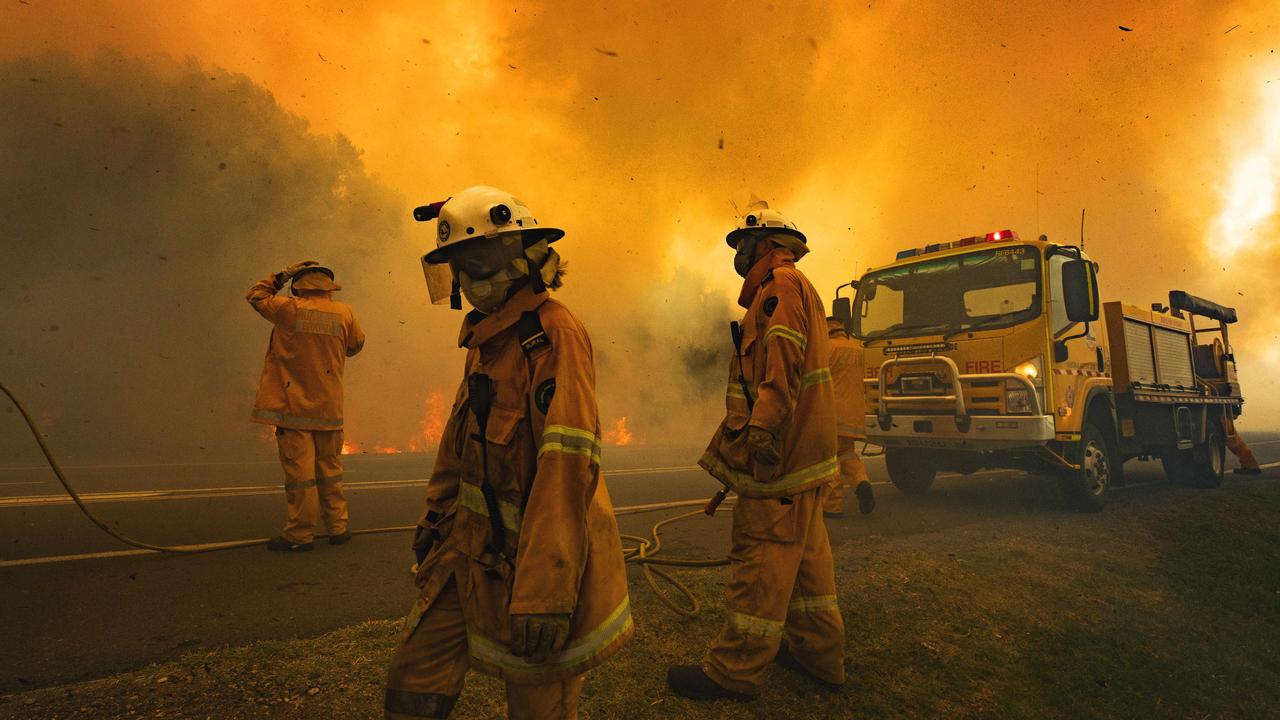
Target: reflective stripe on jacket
[311,338]
[543,444]
[784,363]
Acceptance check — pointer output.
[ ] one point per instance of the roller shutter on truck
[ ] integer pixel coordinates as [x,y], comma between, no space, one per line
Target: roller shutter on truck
[1150,351]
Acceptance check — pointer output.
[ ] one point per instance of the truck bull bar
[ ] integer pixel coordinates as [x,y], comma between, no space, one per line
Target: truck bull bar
[884,414]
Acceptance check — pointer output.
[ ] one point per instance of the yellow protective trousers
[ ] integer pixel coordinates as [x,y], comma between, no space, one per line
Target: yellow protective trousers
[429,667]
[1237,445]
[312,461]
[852,473]
[782,586]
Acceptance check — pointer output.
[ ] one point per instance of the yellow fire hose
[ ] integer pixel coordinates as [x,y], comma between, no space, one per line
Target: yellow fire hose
[642,554]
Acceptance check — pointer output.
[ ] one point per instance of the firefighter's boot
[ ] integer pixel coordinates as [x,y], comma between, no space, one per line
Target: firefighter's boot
[866,498]
[789,661]
[280,544]
[691,682]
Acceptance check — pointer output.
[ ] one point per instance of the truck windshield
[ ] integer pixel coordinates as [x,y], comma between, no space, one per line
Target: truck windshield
[985,289]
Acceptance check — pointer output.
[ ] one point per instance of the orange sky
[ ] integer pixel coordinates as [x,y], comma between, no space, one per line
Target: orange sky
[875,125]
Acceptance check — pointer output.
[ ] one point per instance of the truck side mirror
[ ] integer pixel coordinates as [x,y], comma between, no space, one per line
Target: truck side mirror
[842,309]
[1060,352]
[1080,291]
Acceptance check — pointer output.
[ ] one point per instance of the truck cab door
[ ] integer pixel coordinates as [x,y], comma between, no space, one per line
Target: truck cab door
[1077,356]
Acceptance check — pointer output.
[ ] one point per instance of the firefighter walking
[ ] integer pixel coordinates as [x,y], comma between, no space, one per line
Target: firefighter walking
[777,449]
[520,568]
[847,370]
[300,394]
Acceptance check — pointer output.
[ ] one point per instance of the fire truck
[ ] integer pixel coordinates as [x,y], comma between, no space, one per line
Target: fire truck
[995,352]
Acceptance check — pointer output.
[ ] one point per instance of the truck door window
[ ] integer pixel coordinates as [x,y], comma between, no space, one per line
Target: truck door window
[1057,308]
[885,312]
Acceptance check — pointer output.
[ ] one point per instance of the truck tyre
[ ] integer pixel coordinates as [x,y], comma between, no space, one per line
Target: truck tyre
[912,472]
[1179,467]
[1085,490]
[1209,461]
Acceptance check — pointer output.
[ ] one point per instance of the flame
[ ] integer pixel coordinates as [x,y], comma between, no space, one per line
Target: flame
[619,435]
[431,428]
[350,448]
[385,449]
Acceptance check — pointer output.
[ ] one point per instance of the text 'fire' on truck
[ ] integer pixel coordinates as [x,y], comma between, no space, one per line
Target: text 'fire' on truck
[995,352]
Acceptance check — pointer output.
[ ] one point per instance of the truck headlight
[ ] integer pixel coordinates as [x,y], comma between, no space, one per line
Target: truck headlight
[1031,369]
[1017,401]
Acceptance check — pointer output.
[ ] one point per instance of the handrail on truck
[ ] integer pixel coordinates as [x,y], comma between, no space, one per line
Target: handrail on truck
[961,410]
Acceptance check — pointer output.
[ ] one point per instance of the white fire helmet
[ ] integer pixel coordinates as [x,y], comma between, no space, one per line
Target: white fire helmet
[479,212]
[760,218]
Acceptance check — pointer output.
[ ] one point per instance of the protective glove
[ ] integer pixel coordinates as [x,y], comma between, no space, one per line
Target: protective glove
[289,271]
[535,637]
[763,446]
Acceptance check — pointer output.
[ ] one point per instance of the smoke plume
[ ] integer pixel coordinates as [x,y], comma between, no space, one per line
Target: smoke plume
[634,126]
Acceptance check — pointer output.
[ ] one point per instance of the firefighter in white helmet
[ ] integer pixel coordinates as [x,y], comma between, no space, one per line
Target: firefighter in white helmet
[777,449]
[520,568]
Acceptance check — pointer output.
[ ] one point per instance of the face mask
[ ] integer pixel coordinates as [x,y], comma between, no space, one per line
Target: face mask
[487,295]
[745,257]
[486,269]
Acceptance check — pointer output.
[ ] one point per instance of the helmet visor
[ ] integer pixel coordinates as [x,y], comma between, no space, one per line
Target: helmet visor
[439,281]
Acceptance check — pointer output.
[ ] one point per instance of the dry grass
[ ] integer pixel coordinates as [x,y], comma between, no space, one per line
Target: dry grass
[1165,610]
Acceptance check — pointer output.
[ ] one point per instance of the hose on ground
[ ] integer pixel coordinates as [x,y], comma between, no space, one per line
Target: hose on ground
[75,496]
[179,549]
[642,554]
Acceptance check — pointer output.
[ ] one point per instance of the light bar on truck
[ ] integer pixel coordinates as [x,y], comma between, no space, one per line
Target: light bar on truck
[995,236]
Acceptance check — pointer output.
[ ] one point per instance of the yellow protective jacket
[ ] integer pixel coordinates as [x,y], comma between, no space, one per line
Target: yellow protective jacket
[313,335]
[783,361]
[562,553]
[847,372]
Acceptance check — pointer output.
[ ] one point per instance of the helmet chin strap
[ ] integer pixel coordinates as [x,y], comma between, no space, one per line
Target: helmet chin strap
[455,296]
[535,275]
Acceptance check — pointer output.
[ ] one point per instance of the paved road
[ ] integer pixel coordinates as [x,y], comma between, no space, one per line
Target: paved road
[73,612]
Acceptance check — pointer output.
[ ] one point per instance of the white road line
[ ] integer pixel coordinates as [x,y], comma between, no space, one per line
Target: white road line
[642,471]
[623,510]
[1264,442]
[144,465]
[188,493]
[50,559]
[26,482]
[250,490]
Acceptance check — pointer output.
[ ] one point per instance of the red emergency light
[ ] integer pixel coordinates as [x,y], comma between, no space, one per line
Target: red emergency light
[997,236]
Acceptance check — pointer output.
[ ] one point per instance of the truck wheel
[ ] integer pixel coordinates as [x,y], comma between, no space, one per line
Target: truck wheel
[1179,467]
[1085,490]
[1210,459]
[912,472]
